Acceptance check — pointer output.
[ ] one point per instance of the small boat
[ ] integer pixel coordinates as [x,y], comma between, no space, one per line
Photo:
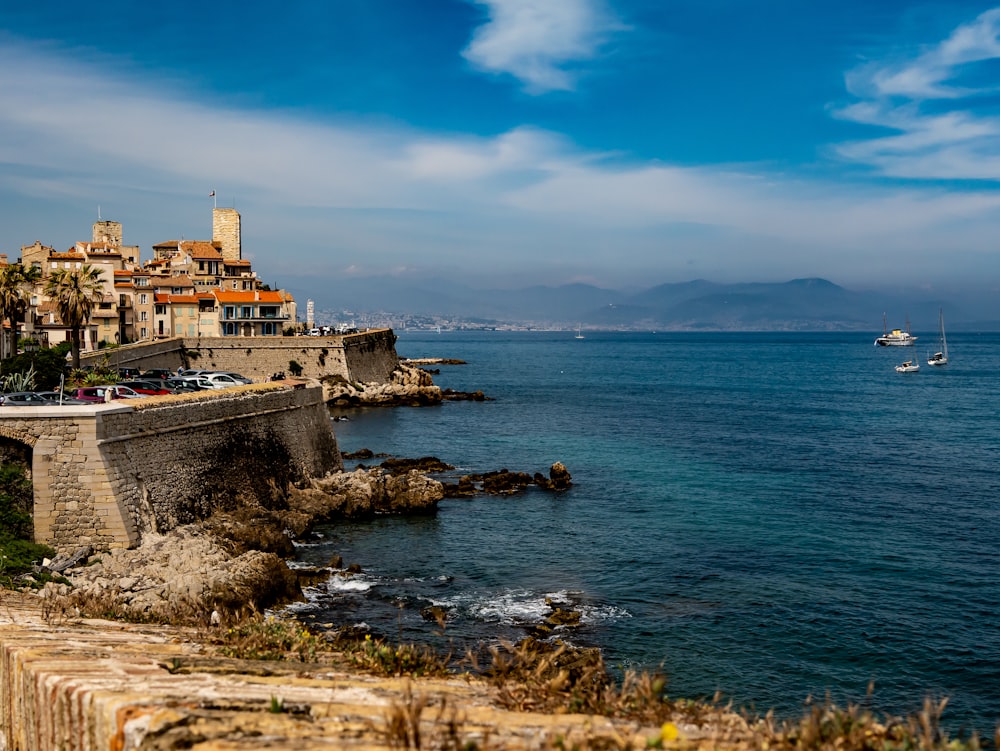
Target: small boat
[578,334]
[896,337]
[940,357]
[910,366]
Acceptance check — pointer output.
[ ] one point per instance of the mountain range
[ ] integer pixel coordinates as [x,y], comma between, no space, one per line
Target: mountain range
[810,304]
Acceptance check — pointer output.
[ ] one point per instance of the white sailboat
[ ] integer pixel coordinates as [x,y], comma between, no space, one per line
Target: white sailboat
[578,334]
[940,357]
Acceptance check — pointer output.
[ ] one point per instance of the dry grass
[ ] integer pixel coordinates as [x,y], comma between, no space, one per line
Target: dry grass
[151,402]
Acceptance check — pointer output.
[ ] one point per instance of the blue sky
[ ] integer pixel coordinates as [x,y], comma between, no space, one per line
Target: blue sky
[622,143]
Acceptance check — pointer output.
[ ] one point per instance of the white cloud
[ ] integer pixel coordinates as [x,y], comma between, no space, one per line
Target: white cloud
[538,42]
[930,100]
[321,196]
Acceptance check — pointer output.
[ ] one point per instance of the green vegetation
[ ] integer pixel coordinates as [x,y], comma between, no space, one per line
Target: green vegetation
[18,555]
[294,368]
[48,365]
[75,292]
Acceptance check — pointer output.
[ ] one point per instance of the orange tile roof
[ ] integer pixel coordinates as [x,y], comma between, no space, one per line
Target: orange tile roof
[168,299]
[253,296]
[68,255]
[202,250]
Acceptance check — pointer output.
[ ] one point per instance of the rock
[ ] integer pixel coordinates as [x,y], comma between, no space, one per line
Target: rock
[354,568]
[366,493]
[62,562]
[336,562]
[423,464]
[504,482]
[435,613]
[467,396]
[407,385]
[359,454]
[559,477]
[560,617]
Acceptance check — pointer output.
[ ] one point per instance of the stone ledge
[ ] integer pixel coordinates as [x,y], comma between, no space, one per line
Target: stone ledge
[89,684]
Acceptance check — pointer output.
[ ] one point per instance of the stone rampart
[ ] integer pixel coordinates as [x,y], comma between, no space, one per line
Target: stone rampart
[366,357]
[104,475]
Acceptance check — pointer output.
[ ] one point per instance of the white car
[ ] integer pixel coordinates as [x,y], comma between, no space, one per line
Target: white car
[219,380]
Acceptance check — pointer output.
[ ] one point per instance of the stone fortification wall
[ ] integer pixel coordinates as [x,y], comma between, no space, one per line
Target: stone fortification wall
[107,474]
[362,358]
[370,357]
[177,463]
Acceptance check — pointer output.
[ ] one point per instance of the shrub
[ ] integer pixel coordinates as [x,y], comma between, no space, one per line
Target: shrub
[49,366]
[294,368]
[15,504]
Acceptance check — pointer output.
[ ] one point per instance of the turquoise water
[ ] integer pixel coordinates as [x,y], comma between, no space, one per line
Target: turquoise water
[772,516]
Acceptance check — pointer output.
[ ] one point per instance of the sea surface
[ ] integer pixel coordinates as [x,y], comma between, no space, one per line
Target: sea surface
[771,516]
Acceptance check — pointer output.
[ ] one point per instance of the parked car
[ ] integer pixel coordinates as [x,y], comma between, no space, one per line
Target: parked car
[97,393]
[55,397]
[221,380]
[161,374]
[128,372]
[150,388]
[23,399]
[236,376]
[181,385]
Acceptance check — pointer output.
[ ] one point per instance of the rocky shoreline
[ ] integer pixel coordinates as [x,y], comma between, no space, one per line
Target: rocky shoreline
[236,561]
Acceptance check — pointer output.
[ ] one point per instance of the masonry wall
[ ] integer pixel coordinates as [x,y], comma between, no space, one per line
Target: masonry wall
[105,475]
[366,357]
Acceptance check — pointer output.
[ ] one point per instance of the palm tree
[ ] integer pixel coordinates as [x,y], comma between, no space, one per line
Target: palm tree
[17,283]
[75,292]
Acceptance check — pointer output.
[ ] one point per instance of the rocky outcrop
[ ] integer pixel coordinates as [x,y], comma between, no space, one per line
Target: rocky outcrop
[366,493]
[183,575]
[235,560]
[406,386]
[505,482]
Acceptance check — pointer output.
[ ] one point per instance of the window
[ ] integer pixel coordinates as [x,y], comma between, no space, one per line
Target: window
[267,329]
[235,283]
[143,334]
[230,329]
[121,301]
[230,311]
[143,315]
[161,310]
[144,299]
[141,281]
[246,312]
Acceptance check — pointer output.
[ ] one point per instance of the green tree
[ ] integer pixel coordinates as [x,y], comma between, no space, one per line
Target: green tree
[75,292]
[17,283]
[49,365]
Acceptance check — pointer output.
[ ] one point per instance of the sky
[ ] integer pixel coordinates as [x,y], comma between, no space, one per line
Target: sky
[503,143]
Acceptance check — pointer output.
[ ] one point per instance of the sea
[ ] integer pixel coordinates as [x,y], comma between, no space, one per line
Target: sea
[777,518]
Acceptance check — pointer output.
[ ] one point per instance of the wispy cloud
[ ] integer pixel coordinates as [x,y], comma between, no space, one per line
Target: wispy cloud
[935,105]
[538,43]
[377,196]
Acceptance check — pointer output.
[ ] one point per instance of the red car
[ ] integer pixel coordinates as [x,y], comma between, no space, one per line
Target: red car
[146,387]
[97,393]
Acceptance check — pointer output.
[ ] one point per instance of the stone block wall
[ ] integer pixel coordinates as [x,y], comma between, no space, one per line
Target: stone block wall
[366,357]
[104,475]
[178,463]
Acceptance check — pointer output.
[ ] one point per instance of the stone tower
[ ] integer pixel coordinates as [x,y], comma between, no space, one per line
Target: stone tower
[226,232]
[107,233]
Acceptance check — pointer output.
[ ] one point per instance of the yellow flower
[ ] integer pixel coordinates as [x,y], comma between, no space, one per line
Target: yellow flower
[669,732]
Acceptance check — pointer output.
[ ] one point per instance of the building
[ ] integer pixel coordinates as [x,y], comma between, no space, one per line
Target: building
[188,288]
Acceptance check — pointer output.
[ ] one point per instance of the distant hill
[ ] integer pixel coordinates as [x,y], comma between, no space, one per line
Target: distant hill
[810,304]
